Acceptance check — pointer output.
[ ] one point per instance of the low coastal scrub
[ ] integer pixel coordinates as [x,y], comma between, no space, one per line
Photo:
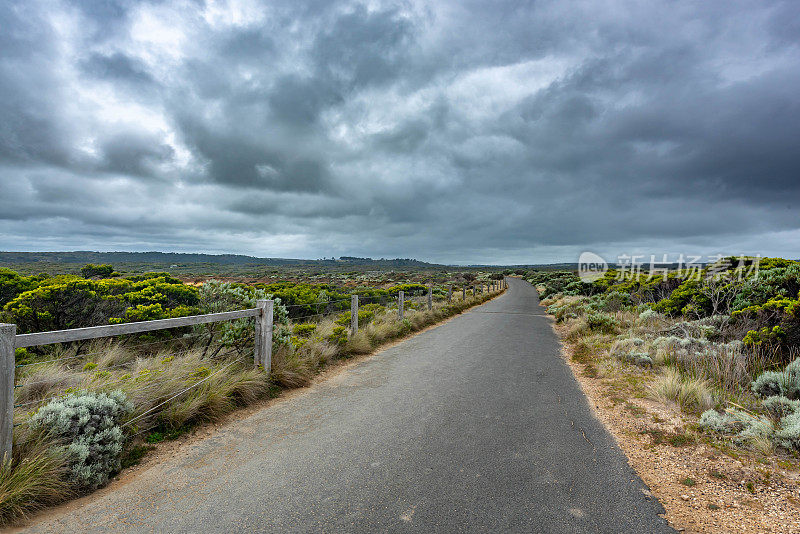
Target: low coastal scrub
[722,343]
[84,411]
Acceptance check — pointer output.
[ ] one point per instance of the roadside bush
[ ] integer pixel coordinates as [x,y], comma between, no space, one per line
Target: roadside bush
[338,335]
[304,329]
[779,406]
[569,307]
[601,322]
[785,383]
[631,350]
[642,359]
[650,316]
[565,282]
[754,430]
[666,349]
[625,344]
[788,436]
[216,296]
[769,384]
[87,426]
[728,423]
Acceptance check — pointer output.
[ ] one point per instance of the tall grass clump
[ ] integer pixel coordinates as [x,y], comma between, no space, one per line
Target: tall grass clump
[693,394]
[36,476]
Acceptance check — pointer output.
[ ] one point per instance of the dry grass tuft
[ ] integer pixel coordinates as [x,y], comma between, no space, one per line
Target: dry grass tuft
[689,393]
[35,477]
[359,343]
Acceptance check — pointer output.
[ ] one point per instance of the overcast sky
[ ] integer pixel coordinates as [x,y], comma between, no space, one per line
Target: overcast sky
[451,130]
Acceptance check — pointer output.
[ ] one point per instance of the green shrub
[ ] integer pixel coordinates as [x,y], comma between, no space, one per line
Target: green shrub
[642,359]
[65,302]
[151,312]
[216,296]
[60,305]
[600,322]
[765,336]
[769,384]
[779,406]
[304,329]
[87,426]
[22,355]
[785,383]
[338,335]
[788,436]
[96,271]
[737,424]
[12,284]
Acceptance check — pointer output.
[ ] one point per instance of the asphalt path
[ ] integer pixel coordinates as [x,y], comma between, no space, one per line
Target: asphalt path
[476,425]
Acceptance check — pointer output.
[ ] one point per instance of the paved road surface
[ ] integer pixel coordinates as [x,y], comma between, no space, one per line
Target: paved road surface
[474,426]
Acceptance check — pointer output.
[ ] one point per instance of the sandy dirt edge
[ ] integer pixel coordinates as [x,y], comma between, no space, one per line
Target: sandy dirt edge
[701,488]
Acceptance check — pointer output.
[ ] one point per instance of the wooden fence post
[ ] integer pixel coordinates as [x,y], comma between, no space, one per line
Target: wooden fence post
[449,294]
[430,296]
[463,292]
[261,332]
[263,353]
[473,291]
[354,314]
[400,304]
[7,367]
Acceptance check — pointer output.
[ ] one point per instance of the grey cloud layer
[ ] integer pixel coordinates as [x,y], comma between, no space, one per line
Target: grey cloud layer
[451,131]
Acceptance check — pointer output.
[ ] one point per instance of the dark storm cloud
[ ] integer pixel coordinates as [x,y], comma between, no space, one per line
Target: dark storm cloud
[453,131]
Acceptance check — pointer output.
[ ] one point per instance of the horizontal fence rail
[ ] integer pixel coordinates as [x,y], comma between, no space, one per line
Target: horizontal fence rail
[94,332]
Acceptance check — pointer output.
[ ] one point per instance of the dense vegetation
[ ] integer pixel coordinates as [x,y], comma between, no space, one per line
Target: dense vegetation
[723,340]
[39,303]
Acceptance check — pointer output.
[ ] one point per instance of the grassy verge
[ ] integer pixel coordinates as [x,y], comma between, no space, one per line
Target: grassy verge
[177,387]
[681,401]
[687,362]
